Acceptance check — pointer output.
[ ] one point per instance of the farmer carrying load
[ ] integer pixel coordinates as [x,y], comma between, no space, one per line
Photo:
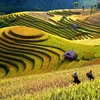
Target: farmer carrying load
[75,76]
[90,75]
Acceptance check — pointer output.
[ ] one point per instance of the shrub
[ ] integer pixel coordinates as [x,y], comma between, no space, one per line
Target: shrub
[37,9]
[98,5]
[83,7]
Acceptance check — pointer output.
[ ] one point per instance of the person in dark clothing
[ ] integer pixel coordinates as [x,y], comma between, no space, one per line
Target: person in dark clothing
[76,80]
[90,75]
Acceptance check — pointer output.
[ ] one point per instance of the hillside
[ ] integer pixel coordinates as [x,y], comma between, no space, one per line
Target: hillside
[51,85]
[35,51]
[50,39]
[32,47]
[90,18]
[94,19]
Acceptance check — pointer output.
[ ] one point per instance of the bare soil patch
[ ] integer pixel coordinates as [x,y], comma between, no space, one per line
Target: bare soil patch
[41,15]
[84,16]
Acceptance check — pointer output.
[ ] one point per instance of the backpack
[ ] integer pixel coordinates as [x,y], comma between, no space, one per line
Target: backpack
[87,74]
[72,75]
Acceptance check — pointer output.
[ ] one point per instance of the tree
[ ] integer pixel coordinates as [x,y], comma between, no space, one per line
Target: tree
[75,5]
[95,7]
[37,8]
[83,7]
[92,8]
[98,5]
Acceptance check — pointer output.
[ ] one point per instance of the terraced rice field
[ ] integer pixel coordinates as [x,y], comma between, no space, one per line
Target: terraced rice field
[32,45]
[26,51]
[51,85]
[31,56]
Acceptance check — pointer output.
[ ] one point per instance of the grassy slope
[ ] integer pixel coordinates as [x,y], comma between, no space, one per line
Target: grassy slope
[85,42]
[84,91]
[82,15]
[77,47]
[89,42]
[43,85]
[25,87]
[65,44]
[92,18]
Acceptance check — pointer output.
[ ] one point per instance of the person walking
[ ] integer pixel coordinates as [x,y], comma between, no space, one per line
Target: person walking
[76,80]
[90,75]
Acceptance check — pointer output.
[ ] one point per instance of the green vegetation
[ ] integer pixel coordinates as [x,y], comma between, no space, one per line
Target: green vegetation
[75,5]
[83,7]
[88,56]
[33,49]
[93,8]
[84,91]
[37,9]
[3,24]
[98,5]
[52,85]
[47,48]
[40,46]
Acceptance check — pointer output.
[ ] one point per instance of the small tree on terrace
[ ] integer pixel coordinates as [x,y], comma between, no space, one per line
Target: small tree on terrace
[95,7]
[92,9]
[98,5]
[37,8]
[83,7]
[75,5]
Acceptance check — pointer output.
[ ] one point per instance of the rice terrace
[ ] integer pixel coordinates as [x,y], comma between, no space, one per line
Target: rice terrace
[32,48]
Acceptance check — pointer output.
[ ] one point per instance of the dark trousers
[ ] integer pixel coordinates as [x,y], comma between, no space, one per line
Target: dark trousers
[76,80]
[91,77]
